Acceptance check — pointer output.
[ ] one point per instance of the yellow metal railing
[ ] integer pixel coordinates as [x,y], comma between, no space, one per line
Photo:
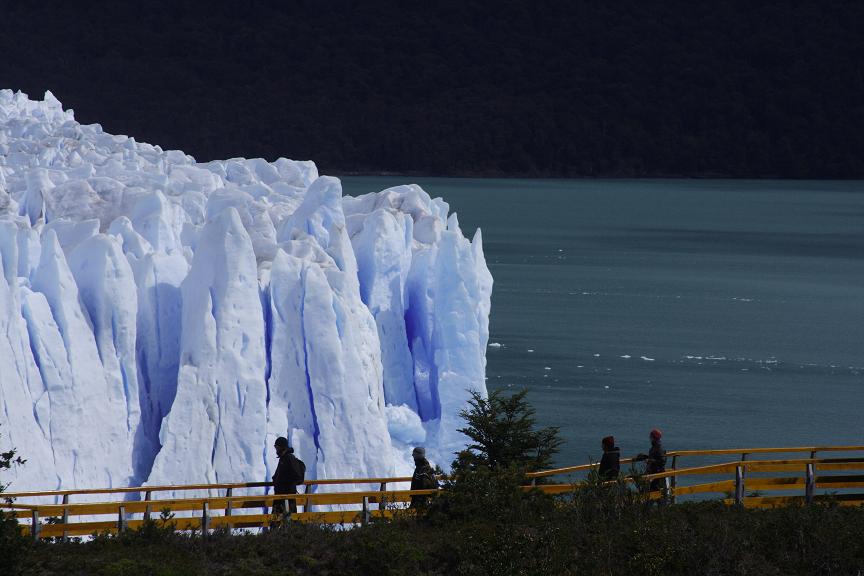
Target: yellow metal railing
[675,455]
[809,478]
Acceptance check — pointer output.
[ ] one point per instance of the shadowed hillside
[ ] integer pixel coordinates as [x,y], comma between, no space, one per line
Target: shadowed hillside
[464,87]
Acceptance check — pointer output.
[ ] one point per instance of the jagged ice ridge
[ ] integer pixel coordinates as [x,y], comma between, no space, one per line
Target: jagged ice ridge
[162,321]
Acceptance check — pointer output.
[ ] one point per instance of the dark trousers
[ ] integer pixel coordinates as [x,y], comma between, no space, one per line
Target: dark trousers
[279,505]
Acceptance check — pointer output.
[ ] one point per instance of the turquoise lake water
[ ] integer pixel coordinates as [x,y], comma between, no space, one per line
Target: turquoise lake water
[726,313]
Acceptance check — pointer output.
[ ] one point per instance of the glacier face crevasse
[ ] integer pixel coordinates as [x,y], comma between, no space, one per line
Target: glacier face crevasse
[162,321]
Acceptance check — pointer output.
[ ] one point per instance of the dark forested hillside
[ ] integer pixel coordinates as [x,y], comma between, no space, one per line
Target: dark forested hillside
[508,87]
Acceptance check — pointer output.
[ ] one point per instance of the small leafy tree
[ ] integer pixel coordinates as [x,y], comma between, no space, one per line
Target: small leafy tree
[501,429]
[12,543]
[9,459]
[488,477]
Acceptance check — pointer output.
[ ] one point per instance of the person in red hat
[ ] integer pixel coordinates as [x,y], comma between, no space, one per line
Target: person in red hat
[655,460]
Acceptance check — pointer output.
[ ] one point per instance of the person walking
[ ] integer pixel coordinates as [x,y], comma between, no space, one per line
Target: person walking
[290,472]
[423,477]
[610,463]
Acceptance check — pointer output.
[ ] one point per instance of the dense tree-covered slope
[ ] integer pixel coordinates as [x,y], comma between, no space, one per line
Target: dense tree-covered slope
[729,87]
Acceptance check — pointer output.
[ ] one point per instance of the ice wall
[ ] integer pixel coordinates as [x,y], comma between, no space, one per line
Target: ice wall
[163,320]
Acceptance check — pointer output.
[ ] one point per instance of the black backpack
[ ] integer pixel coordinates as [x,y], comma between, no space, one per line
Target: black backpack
[297,469]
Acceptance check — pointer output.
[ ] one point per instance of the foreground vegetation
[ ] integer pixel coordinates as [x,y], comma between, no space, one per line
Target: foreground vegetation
[487,525]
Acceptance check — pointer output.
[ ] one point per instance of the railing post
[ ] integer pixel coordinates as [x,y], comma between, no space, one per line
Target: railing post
[307,505]
[147,496]
[673,481]
[364,518]
[286,510]
[205,518]
[382,502]
[35,526]
[121,519]
[65,518]
[229,504]
[739,485]
[810,483]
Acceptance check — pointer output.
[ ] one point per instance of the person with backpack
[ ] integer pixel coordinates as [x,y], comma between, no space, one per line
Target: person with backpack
[423,477]
[290,472]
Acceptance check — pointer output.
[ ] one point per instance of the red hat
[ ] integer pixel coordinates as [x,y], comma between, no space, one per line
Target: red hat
[656,434]
[609,442]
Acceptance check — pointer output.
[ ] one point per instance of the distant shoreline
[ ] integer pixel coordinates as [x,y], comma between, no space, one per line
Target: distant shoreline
[533,176]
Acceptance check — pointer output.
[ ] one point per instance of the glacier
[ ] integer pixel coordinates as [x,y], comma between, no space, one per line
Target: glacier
[163,320]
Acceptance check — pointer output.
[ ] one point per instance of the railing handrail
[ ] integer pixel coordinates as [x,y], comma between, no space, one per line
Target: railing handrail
[725,451]
[388,480]
[707,469]
[184,487]
[267,500]
[571,469]
[215,502]
[707,452]
[207,512]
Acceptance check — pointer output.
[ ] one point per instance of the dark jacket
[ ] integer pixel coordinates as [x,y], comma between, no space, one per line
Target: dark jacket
[285,482]
[422,479]
[656,460]
[610,464]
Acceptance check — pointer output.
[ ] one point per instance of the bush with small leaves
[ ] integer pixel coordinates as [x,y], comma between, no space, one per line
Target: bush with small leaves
[13,546]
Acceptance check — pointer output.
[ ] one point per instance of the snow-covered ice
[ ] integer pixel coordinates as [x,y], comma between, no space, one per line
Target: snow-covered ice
[164,320]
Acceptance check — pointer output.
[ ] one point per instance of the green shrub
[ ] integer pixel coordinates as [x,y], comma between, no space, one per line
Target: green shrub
[502,433]
[488,522]
[13,546]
